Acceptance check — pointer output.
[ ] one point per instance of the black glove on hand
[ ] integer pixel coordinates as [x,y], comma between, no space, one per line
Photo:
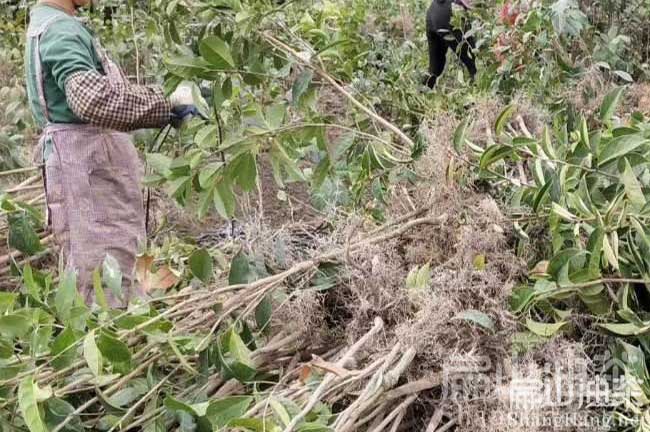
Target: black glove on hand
[181,113]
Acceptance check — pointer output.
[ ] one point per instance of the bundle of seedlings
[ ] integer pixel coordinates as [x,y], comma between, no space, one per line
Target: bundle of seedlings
[207,356]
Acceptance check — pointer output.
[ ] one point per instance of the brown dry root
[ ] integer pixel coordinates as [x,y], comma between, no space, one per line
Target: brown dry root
[421,328]
[427,319]
[518,401]
[485,113]
[588,93]
[637,98]
[472,269]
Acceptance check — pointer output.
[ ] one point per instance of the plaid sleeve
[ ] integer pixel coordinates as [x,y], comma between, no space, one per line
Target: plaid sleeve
[120,106]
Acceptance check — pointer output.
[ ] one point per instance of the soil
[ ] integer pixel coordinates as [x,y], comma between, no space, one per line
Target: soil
[279,206]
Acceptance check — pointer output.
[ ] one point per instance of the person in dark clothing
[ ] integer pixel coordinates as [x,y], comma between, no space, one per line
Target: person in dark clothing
[441,36]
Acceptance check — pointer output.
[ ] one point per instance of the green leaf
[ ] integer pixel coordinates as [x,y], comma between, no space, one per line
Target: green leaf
[180,167]
[235,357]
[620,146]
[224,199]
[29,396]
[206,200]
[255,425]
[174,404]
[610,103]
[216,52]
[321,172]
[539,197]
[207,174]
[127,395]
[476,317]
[547,144]
[632,187]
[220,412]
[520,298]
[523,342]
[238,349]
[61,349]
[199,102]
[201,265]
[563,213]
[173,32]
[419,278]
[544,329]
[66,294]
[240,272]
[6,349]
[226,88]
[631,317]
[41,336]
[206,138]
[503,118]
[624,76]
[314,427]
[263,313]
[7,301]
[611,253]
[218,96]
[493,154]
[112,276]
[595,248]
[160,163]
[584,132]
[280,159]
[22,235]
[100,296]
[150,409]
[275,115]
[31,286]
[625,329]
[538,172]
[113,350]
[300,86]
[180,188]
[15,325]
[57,411]
[244,170]
[559,265]
[280,411]
[460,135]
[633,358]
[92,355]
[479,262]
[598,304]
[187,67]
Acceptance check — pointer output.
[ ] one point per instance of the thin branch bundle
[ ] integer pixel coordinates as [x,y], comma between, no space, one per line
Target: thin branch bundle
[334,374]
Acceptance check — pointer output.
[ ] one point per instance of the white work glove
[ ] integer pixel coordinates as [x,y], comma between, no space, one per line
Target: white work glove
[182,95]
[184,105]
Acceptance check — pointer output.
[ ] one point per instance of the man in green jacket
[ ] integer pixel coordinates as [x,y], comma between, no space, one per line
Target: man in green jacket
[84,104]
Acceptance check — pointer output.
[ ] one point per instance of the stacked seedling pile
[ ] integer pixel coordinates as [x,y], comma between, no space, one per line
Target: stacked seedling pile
[207,357]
